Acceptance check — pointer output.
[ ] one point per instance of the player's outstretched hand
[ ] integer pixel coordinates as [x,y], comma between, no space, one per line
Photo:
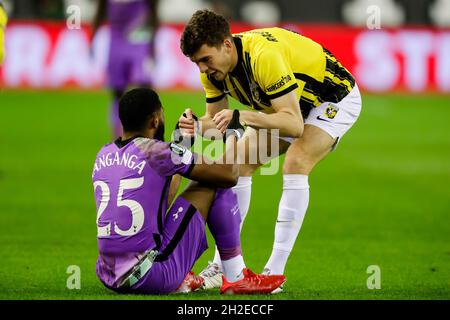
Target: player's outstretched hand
[185,128]
[235,127]
[186,122]
[222,119]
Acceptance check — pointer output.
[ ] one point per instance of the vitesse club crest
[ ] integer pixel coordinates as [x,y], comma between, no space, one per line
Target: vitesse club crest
[254,90]
[330,111]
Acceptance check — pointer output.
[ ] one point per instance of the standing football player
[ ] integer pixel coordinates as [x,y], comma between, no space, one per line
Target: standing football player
[145,248]
[296,85]
[133,25]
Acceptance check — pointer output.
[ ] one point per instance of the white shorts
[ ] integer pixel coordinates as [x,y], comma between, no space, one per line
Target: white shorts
[335,118]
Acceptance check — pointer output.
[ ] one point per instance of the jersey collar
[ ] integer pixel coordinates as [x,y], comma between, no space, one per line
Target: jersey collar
[122,143]
[238,44]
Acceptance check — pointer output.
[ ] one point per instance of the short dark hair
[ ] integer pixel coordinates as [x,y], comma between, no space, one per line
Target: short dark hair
[204,27]
[136,107]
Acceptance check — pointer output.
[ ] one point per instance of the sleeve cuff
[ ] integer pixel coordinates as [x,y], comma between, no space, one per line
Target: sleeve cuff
[215,99]
[187,173]
[283,92]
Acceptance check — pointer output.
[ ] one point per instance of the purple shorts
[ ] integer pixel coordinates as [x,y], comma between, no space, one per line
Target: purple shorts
[127,64]
[183,242]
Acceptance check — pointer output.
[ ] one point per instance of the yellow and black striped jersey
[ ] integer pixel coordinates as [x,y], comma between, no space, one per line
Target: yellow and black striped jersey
[275,61]
[3,21]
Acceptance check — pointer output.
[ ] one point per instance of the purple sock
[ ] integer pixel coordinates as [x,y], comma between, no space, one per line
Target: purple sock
[224,220]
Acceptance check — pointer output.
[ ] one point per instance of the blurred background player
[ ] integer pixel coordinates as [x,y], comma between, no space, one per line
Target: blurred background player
[143,249]
[133,25]
[3,21]
[299,89]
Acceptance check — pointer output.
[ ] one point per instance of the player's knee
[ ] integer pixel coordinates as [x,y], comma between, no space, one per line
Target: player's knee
[229,200]
[200,196]
[247,170]
[298,165]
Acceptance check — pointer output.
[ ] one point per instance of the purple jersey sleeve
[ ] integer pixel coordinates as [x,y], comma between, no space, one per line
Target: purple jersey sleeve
[167,159]
[127,16]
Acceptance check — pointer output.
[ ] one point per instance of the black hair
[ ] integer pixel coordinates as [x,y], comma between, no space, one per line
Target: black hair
[204,27]
[136,107]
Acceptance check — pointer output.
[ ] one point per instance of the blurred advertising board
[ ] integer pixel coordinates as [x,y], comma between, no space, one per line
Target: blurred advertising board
[49,55]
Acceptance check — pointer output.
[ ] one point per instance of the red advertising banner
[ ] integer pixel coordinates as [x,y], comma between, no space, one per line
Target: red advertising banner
[49,55]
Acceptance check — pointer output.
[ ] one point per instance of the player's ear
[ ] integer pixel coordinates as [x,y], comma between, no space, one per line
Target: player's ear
[228,43]
[153,122]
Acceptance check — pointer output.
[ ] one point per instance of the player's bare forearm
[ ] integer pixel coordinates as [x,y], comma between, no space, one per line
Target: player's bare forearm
[289,124]
[173,189]
[207,123]
[287,116]
[223,173]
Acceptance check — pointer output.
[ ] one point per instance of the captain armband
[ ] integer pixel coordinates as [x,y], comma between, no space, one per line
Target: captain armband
[181,154]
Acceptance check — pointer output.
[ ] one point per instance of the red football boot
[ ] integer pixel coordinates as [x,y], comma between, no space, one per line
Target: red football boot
[252,283]
[190,283]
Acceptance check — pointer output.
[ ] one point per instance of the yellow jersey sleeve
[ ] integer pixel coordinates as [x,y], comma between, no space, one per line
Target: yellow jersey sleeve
[3,17]
[213,94]
[273,74]
[3,21]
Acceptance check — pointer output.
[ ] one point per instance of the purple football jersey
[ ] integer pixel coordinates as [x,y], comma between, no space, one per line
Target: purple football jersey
[129,49]
[131,183]
[125,16]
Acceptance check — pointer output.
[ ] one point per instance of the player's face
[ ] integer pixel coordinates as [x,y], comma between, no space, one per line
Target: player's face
[214,61]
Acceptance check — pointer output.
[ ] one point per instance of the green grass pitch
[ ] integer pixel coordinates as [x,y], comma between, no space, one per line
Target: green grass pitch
[383,198]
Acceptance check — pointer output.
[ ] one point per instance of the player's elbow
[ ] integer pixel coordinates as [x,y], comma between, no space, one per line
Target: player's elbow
[300,130]
[296,131]
[294,125]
